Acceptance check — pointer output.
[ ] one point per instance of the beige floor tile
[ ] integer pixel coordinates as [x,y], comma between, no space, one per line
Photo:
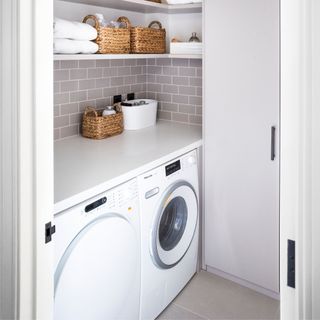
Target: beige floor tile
[213,297]
[174,312]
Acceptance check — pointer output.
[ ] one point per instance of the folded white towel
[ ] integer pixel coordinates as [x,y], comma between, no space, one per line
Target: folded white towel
[64,29]
[67,46]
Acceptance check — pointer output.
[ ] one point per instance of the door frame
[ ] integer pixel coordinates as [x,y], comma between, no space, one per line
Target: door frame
[26,51]
[300,155]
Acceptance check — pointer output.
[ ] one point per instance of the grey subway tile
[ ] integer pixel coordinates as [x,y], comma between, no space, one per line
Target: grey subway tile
[163,62]
[151,62]
[117,81]
[78,73]
[180,117]
[164,97]
[151,78]
[124,90]
[199,110]
[76,118]
[195,63]
[163,79]
[110,72]
[61,98]
[69,131]
[164,115]
[102,83]
[154,87]
[56,134]
[69,108]
[61,121]
[154,69]
[117,63]
[182,81]
[71,85]
[94,73]
[187,90]
[170,88]
[169,106]
[56,64]
[95,94]
[136,70]
[87,63]
[195,100]
[199,92]
[130,80]
[56,87]
[195,119]
[77,96]
[59,75]
[151,95]
[180,62]
[102,63]
[180,98]
[141,62]
[199,72]
[102,103]
[107,92]
[56,111]
[188,72]
[197,82]
[136,87]
[69,64]
[187,108]
[141,78]
[87,84]
[130,62]
[124,71]
[173,71]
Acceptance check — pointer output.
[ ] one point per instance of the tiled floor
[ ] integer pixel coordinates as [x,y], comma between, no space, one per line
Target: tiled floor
[210,297]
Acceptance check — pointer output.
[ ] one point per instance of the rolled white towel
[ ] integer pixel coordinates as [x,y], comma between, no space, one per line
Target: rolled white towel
[64,29]
[68,46]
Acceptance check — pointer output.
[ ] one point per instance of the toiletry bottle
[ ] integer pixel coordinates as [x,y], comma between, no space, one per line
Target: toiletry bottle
[108,111]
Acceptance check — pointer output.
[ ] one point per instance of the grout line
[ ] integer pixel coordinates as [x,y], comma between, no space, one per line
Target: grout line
[190,311]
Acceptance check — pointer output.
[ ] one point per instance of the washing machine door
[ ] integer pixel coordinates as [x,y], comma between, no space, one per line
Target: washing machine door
[97,277]
[175,225]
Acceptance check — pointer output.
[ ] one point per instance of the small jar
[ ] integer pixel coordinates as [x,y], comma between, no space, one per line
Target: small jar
[108,111]
[194,38]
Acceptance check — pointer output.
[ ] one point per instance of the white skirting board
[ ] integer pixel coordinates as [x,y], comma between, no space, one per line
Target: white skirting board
[266,292]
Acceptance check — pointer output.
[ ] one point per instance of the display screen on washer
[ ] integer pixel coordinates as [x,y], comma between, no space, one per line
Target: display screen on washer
[173,167]
[95,204]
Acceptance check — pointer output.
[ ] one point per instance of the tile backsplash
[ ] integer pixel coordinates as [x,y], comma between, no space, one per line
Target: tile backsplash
[175,83]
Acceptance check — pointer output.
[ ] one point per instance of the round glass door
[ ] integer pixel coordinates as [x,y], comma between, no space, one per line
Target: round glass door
[175,225]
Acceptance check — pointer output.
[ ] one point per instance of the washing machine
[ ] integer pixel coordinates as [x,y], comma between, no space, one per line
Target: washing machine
[169,213]
[97,257]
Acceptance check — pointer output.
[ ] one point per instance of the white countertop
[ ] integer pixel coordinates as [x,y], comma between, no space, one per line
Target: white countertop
[85,167]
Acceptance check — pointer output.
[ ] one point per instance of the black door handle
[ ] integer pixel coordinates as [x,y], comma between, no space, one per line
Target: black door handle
[273,143]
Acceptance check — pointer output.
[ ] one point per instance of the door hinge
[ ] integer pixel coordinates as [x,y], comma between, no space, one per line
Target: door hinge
[291,275]
[49,231]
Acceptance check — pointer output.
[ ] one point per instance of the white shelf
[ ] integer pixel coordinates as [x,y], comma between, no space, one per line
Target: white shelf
[143,6]
[60,57]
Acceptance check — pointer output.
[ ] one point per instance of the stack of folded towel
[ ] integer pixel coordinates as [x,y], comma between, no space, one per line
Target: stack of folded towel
[73,37]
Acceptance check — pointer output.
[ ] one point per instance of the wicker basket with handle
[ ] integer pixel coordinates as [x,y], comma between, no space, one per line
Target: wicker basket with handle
[112,40]
[95,126]
[148,40]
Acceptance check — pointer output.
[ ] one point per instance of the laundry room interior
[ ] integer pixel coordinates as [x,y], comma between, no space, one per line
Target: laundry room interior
[166,159]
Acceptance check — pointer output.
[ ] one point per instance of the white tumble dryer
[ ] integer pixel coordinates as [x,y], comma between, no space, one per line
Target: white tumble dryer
[169,232]
[97,257]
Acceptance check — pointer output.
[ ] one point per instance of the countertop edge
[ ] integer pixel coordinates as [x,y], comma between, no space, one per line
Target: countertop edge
[107,185]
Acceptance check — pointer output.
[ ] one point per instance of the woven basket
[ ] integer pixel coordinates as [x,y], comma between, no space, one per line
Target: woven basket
[112,40]
[95,126]
[148,40]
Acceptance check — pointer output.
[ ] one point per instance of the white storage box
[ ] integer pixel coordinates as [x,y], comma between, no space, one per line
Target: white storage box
[139,116]
[186,47]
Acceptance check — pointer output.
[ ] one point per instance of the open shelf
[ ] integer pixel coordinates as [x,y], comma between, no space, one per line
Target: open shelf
[123,56]
[143,6]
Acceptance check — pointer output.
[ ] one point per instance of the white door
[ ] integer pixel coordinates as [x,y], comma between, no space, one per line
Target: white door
[241,134]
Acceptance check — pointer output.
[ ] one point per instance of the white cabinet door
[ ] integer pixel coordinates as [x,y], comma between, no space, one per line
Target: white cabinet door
[241,106]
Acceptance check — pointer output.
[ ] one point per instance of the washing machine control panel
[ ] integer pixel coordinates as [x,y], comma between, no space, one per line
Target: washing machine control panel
[116,198]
